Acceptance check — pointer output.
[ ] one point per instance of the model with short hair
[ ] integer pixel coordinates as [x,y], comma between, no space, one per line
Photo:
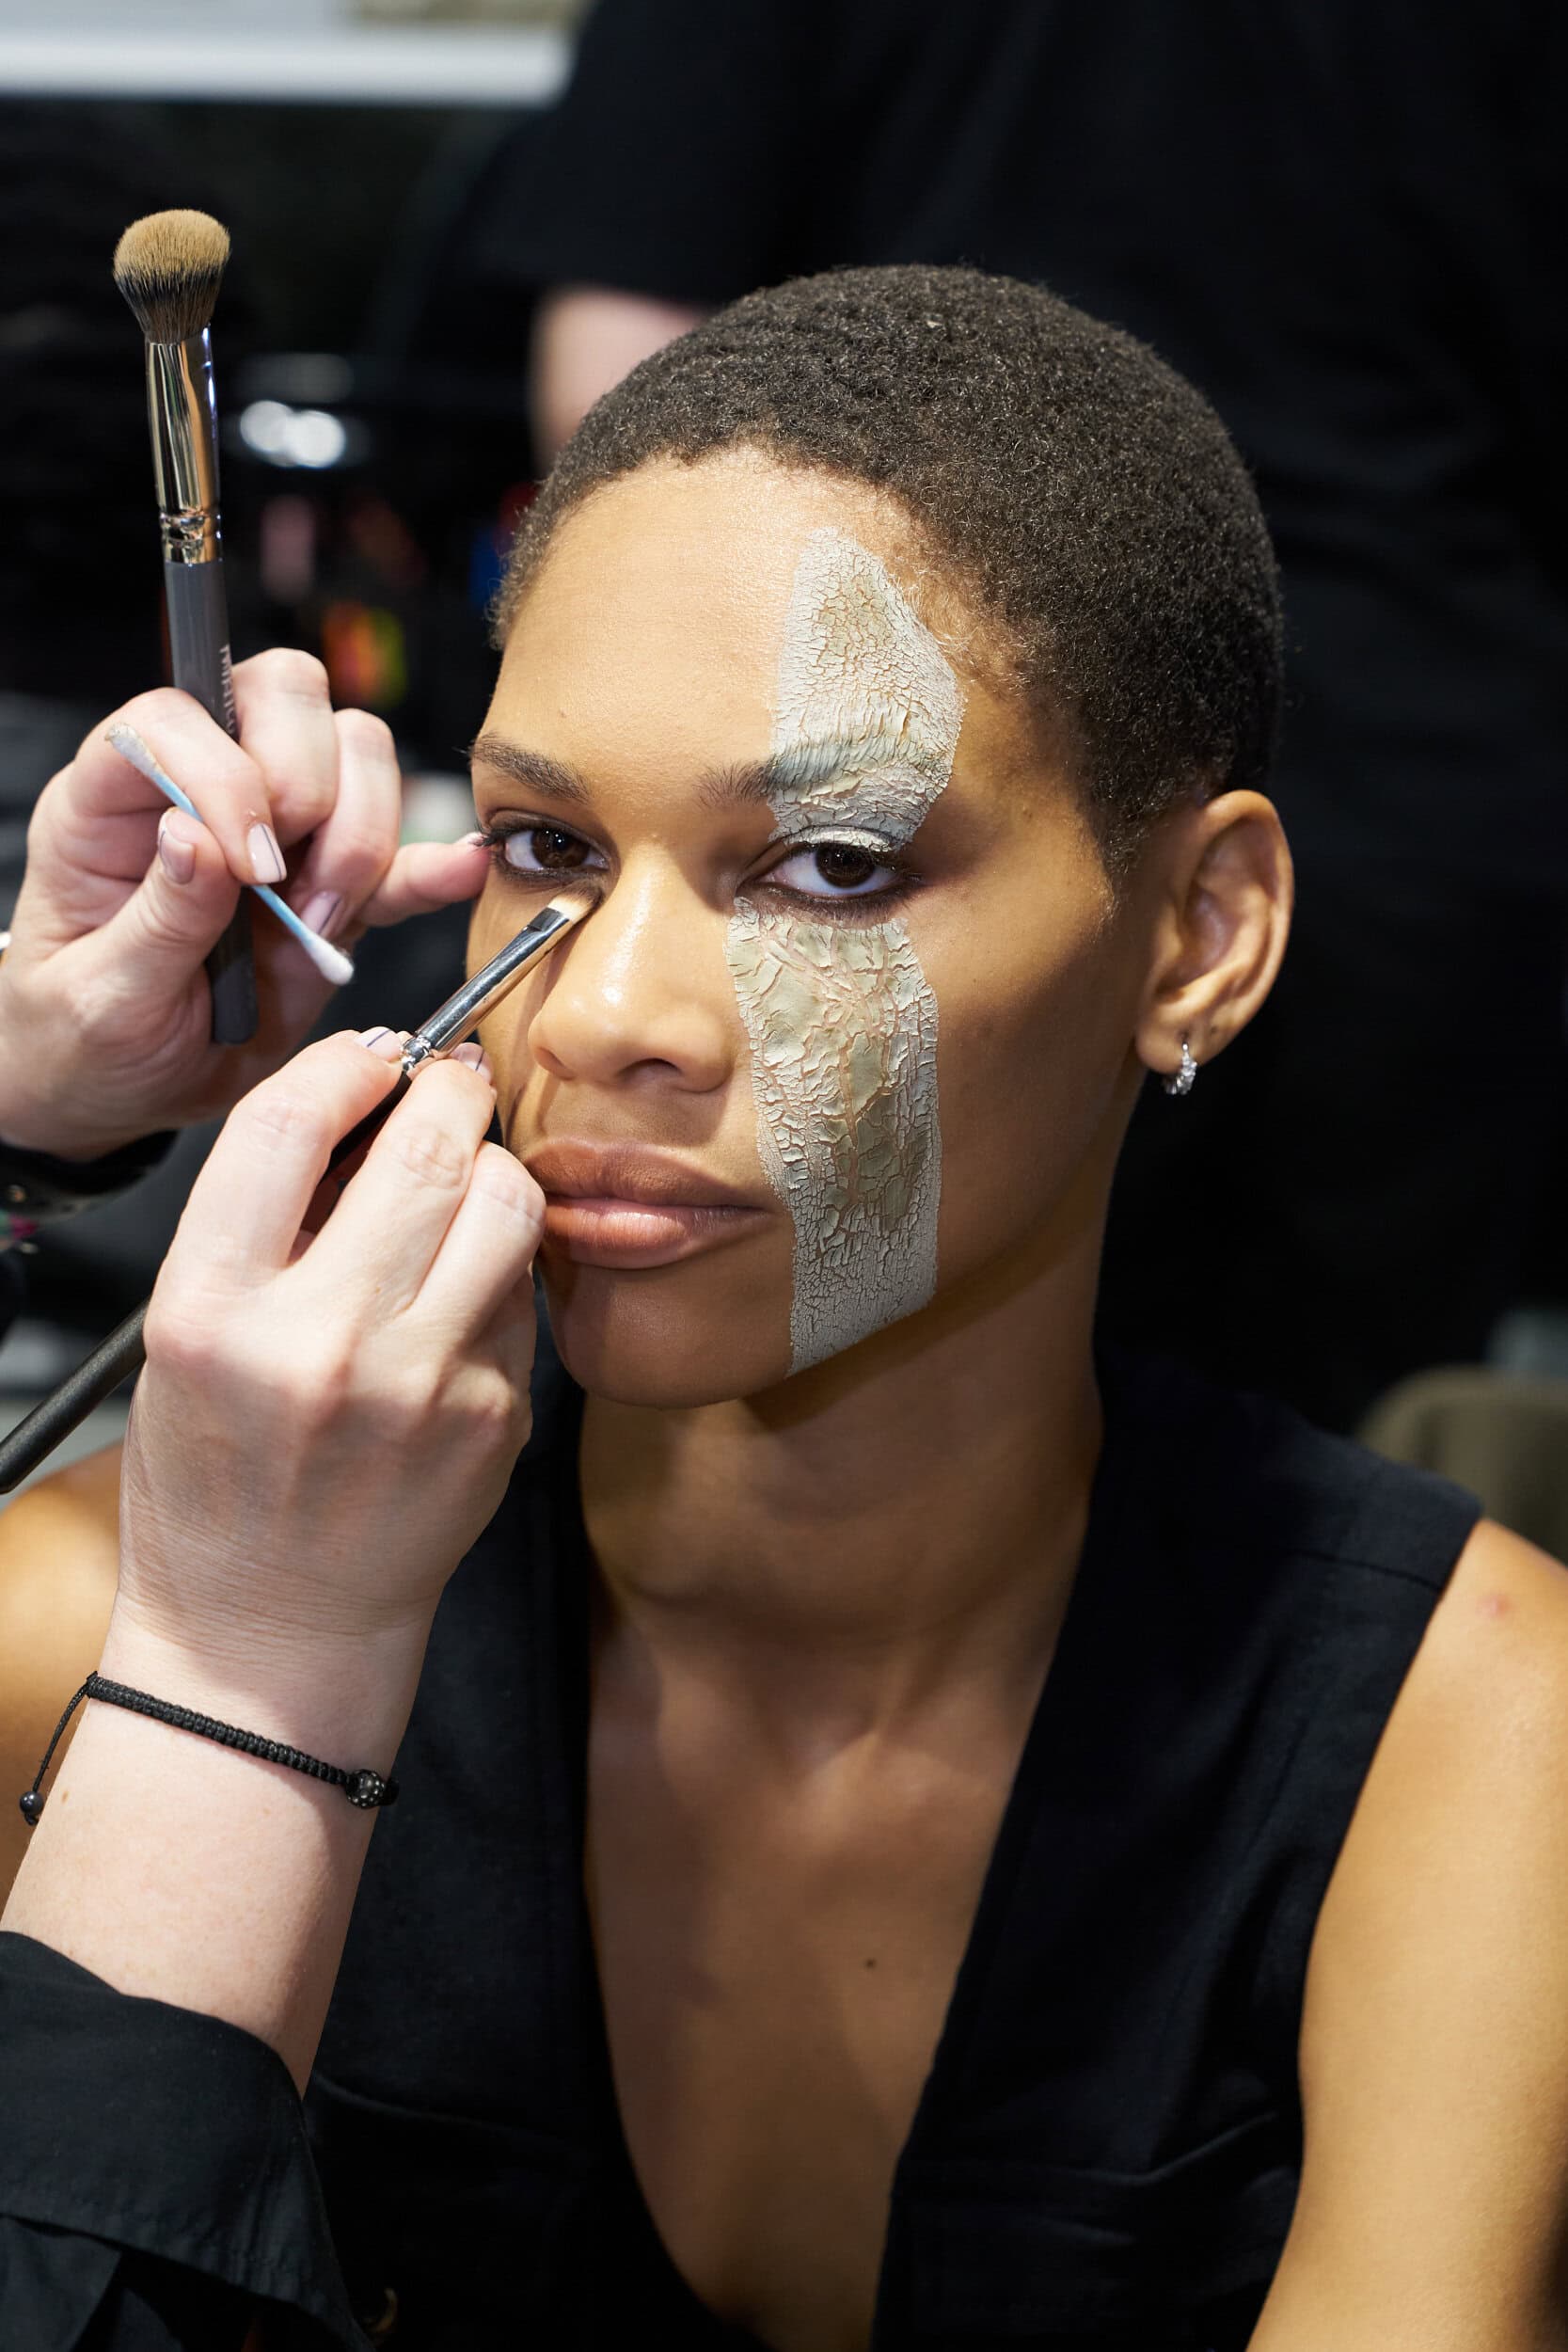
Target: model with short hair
[910,1829]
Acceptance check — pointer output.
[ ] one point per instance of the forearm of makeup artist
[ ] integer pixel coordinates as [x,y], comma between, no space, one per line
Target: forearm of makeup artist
[324,1424]
[104,1000]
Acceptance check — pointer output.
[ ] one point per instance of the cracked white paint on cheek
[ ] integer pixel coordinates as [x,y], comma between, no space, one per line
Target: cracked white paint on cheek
[842,1021]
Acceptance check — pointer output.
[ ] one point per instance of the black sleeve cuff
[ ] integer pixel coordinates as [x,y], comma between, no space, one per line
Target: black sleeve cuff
[37,1188]
[162,2132]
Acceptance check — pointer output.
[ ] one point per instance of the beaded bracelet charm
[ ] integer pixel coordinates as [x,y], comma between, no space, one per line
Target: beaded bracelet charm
[362,1787]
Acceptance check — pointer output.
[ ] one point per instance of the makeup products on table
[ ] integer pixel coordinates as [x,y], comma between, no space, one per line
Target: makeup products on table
[170,267]
[33,1439]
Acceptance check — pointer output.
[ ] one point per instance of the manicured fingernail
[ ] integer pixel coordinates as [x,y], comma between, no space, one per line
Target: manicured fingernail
[266,858]
[175,852]
[385,1042]
[321,911]
[473,1057]
[471,841]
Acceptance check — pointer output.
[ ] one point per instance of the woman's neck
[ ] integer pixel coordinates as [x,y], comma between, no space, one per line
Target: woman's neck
[839,1553]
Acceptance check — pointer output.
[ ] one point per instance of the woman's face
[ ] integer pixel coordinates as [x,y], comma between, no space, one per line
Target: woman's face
[847,1046]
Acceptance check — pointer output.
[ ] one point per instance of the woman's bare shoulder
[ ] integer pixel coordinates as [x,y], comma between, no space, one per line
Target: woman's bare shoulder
[59,1553]
[1486,1693]
[1434,2038]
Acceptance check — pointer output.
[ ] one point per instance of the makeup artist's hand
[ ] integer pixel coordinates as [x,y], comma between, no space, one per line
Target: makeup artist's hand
[325,1424]
[103,1002]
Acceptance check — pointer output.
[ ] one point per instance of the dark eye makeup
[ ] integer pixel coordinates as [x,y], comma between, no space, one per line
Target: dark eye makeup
[532,850]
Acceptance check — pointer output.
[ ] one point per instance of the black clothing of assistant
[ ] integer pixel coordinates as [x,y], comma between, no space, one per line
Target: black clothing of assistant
[1106,2150]
[1342,219]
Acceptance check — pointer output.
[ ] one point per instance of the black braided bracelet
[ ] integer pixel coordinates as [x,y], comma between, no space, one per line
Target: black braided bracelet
[363,1787]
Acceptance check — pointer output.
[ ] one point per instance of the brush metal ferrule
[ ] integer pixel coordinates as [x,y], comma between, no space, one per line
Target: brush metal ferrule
[182,409]
[453,1021]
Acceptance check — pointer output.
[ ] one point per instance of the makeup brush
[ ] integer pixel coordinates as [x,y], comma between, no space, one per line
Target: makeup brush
[122,1353]
[170,267]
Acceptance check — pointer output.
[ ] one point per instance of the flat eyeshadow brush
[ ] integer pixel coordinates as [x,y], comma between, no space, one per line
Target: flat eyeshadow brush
[122,1353]
[170,267]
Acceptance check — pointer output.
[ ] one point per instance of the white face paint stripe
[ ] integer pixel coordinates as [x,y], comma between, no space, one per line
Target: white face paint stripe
[842,1021]
[860,669]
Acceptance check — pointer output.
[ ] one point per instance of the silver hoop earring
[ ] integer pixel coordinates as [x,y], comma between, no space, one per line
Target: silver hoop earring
[1181,1081]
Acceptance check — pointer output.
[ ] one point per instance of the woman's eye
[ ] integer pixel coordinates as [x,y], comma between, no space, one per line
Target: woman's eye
[544,849]
[837,870]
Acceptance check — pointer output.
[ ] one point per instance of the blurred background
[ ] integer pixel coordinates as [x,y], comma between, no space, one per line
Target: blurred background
[456,222]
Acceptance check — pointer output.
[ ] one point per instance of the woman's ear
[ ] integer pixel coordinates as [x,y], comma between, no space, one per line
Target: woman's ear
[1223,890]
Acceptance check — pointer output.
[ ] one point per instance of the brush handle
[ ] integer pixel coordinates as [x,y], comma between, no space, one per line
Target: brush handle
[122,1354]
[33,1439]
[200,658]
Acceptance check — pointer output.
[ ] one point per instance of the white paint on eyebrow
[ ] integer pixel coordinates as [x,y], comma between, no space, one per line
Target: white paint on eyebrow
[841,1019]
[859,667]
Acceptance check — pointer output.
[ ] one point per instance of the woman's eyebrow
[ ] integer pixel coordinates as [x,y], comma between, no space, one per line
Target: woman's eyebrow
[740,785]
[787,773]
[530,768]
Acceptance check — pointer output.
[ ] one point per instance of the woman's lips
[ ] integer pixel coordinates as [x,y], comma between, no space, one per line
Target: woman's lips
[596,1230]
[621,1205]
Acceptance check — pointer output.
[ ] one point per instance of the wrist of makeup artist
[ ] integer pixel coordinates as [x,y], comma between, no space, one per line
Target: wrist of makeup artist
[104,1000]
[327,1420]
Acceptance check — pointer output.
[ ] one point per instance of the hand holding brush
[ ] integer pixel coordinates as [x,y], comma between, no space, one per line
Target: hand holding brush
[435,1039]
[103,1003]
[105,1031]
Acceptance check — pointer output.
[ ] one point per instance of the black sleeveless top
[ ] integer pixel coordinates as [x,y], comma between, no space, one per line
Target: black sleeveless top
[1106,2150]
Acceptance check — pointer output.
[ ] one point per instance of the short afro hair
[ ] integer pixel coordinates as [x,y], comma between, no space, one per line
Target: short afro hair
[1090,500]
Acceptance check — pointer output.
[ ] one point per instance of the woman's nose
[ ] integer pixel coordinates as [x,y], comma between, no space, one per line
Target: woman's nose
[642,991]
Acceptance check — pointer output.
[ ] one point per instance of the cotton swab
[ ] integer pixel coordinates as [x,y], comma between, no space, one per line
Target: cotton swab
[329,961]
